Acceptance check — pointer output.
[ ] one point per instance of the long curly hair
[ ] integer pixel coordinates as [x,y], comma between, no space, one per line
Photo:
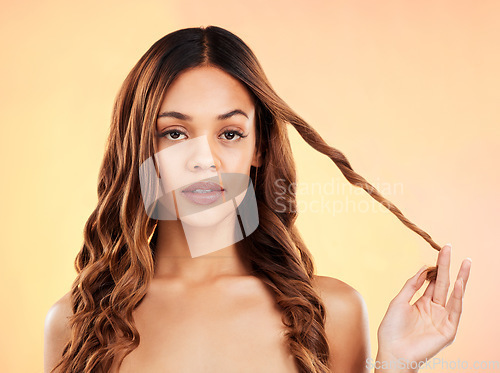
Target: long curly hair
[116,263]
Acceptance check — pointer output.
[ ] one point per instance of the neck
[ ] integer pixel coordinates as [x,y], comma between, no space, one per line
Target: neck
[196,254]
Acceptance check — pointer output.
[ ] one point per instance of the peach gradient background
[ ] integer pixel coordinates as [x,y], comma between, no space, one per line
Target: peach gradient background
[407,90]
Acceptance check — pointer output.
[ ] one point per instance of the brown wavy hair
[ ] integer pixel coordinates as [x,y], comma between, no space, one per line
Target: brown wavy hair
[116,263]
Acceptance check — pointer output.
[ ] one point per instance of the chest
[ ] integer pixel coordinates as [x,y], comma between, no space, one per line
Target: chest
[209,331]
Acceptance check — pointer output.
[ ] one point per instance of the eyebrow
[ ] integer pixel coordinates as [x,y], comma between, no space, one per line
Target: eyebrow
[180,116]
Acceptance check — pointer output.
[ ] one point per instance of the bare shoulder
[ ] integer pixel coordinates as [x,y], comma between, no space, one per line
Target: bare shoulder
[56,331]
[346,324]
[56,320]
[337,295]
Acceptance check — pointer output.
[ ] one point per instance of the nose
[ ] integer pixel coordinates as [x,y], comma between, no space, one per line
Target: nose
[199,164]
[202,160]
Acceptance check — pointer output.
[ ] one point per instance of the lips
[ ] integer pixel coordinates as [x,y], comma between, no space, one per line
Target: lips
[203,193]
[203,187]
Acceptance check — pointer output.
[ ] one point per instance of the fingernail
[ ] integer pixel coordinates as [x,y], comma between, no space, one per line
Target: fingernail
[448,244]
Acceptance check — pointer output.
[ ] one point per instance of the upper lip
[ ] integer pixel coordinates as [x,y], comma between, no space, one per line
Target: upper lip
[203,185]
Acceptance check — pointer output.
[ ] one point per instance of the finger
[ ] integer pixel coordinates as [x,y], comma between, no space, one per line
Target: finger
[454,305]
[410,287]
[443,276]
[465,271]
[429,290]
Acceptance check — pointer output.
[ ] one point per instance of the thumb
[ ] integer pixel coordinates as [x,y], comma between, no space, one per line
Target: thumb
[410,287]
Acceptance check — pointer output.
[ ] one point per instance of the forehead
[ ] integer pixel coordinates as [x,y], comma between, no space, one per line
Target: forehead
[206,90]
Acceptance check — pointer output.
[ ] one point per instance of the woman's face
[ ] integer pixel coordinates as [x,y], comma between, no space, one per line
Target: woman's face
[206,133]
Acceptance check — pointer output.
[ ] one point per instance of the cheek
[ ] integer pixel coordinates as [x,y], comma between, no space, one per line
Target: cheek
[238,159]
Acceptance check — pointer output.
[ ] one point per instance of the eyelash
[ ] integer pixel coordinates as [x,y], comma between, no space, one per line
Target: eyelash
[236,132]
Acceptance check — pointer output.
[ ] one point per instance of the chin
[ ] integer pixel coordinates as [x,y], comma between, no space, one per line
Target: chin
[212,216]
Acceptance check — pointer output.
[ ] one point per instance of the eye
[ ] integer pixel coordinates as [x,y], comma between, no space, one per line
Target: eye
[172,135]
[230,135]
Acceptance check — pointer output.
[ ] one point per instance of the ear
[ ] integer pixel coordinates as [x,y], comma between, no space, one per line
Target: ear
[257,159]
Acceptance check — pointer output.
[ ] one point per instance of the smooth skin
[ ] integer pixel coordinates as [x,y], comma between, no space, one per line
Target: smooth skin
[209,314]
[254,337]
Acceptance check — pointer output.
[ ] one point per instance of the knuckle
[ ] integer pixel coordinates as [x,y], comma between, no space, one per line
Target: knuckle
[442,284]
[394,301]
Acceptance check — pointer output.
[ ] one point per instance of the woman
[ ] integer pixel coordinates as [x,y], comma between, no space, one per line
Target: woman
[191,282]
